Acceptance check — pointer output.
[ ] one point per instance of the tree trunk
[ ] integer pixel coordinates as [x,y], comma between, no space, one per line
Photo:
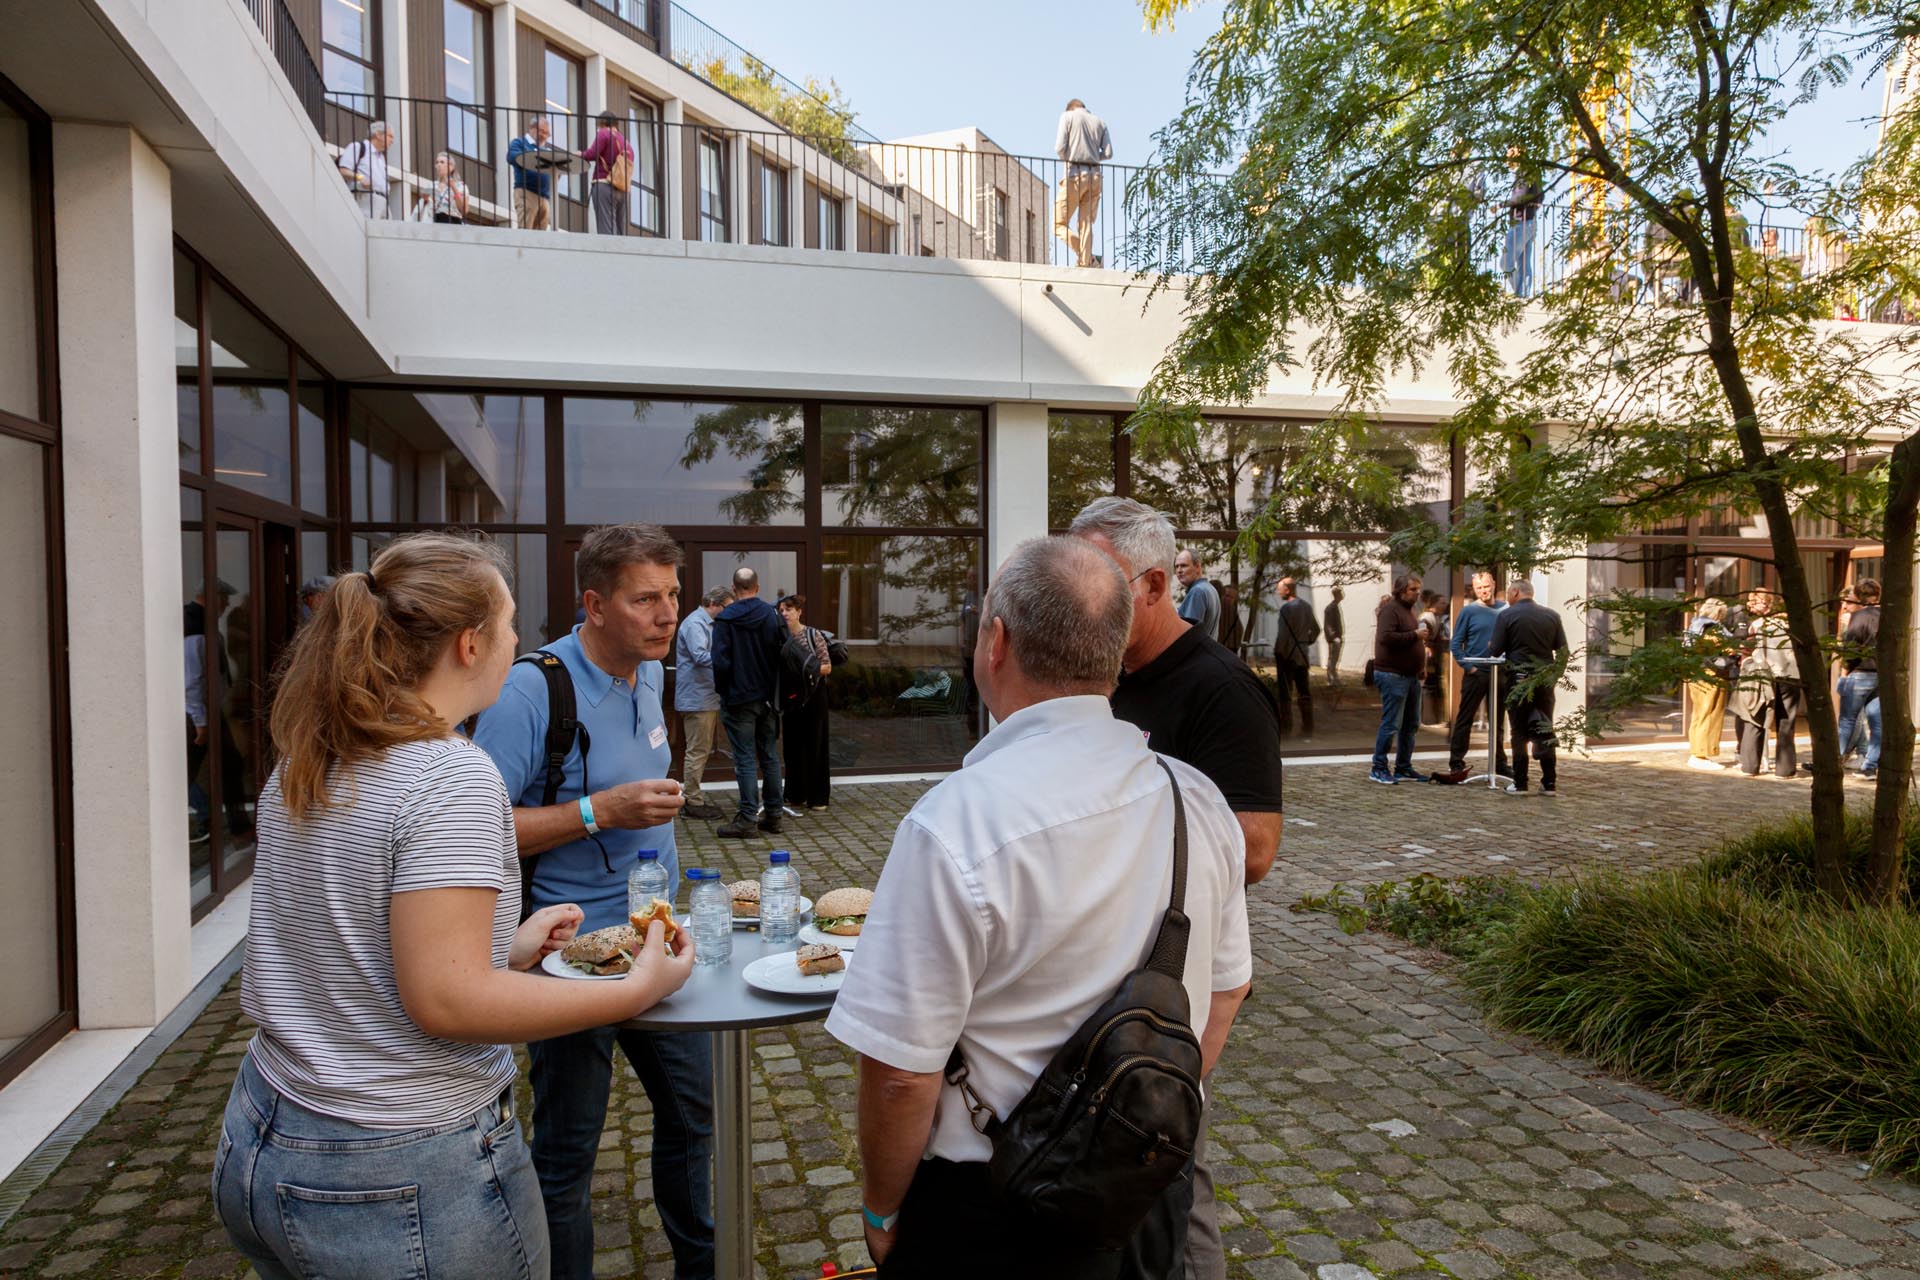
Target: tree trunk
[1894,655]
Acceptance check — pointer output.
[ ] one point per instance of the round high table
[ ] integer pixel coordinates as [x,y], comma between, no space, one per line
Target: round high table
[717,999]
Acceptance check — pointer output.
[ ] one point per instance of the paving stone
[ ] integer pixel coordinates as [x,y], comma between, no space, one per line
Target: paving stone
[1520,1161]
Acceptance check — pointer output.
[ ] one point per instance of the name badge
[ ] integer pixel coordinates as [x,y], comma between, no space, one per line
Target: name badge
[658,738]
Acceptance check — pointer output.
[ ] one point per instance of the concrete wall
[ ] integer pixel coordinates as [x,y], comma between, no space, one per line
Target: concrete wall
[114,241]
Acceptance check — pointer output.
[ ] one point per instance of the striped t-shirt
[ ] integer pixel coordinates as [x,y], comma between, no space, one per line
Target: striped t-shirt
[334,1036]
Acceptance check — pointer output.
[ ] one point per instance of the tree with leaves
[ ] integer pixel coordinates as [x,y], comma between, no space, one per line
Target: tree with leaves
[1675,359]
[818,114]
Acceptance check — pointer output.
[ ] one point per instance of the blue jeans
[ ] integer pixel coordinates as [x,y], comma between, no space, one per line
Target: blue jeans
[1860,691]
[305,1195]
[1516,258]
[1399,718]
[751,730]
[571,1077]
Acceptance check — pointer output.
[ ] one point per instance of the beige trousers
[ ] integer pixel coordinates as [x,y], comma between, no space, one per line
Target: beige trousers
[530,210]
[1079,196]
[1709,703]
[699,726]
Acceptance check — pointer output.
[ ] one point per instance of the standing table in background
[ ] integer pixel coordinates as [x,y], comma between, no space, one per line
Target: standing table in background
[717,999]
[1495,711]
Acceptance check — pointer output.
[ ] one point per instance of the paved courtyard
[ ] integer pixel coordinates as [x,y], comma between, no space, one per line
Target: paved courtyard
[1367,1123]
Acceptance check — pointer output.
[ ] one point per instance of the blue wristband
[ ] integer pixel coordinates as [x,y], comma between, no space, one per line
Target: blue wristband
[877,1222]
[586,816]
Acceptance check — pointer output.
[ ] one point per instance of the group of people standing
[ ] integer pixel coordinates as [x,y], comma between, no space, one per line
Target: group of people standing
[1747,664]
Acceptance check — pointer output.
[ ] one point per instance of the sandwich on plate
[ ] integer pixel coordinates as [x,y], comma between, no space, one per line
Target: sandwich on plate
[604,951]
[819,957]
[746,897]
[843,911]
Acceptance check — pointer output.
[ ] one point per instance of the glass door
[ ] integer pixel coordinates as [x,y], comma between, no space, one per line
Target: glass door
[781,567]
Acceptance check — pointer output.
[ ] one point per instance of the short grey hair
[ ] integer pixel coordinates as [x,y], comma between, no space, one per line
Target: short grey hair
[717,596]
[745,579]
[1067,611]
[1142,536]
[1193,554]
[377,128]
[606,552]
[1522,588]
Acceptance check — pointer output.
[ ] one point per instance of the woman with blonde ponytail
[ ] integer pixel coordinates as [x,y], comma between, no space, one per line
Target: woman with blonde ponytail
[372,1119]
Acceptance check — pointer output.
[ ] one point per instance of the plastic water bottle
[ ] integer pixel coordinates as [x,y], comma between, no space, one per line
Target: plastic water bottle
[647,881]
[779,898]
[712,909]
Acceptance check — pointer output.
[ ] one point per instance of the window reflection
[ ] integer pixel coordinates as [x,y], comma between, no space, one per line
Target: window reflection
[677,462]
[19,298]
[909,610]
[883,466]
[1080,463]
[446,458]
[1656,571]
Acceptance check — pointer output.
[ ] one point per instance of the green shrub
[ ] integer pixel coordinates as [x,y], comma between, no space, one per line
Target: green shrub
[1793,1014]
[1429,911]
[1778,858]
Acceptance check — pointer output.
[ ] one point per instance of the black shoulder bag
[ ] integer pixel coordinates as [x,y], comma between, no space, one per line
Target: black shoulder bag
[1112,1121]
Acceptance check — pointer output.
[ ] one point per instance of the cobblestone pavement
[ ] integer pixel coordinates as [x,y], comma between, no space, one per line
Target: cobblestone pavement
[1366,1122]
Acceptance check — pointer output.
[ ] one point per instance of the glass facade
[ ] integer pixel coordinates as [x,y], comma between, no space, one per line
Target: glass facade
[681,462]
[39,999]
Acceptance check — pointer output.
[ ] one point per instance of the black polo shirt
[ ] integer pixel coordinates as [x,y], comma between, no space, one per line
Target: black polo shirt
[1199,703]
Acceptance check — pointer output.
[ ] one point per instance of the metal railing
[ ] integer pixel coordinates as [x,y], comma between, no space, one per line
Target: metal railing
[696,46]
[291,52]
[698,181]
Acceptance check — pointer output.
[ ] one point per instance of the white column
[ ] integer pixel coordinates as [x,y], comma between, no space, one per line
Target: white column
[113,225]
[737,203]
[505,77]
[407,165]
[673,166]
[1016,477]
[596,87]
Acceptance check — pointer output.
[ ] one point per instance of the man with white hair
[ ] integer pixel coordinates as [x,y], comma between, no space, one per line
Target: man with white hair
[364,167]
[1196,701]
[1018,895]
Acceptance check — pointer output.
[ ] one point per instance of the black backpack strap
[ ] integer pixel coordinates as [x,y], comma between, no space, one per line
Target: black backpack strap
[1169,955]
[563,726]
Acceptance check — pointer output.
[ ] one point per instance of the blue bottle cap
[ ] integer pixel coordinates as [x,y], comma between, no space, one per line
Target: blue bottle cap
[779,857]
[649,855]
[696,873]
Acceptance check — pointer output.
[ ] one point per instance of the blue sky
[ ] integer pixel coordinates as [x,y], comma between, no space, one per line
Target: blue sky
[1008,66]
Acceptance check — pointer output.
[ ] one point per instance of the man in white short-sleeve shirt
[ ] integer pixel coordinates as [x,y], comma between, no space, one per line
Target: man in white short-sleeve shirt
[1017,896]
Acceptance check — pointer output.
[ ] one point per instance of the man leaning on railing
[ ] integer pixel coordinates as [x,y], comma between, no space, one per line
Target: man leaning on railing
[1082,143]
[364,167]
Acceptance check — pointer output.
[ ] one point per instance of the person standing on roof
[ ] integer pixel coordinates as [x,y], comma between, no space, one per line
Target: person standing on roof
[1082,143]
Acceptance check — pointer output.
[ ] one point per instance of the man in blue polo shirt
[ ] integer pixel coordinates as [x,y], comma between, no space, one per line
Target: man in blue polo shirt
[532,186]
[1472,633]
[613,801]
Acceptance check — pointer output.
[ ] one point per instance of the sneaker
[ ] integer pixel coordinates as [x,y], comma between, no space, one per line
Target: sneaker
[704,811]
[1546,789]
[771,824]
[1515,789]
[1382,777]
[1870,772]
[1409,775]
[1705,765]
[817,808]
[738,829]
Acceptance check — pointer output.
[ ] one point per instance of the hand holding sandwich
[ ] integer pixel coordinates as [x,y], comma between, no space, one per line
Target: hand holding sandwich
[659,970]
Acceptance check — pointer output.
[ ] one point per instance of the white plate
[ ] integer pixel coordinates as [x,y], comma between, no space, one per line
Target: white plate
[780,974]
[811,932]
[553,964]
[753,922]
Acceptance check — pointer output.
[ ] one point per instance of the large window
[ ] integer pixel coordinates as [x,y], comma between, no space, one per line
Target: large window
[713,189]
[1001,231]
[565,105]
[831,217]
[884,467]
[349,55]
[443,457]
[469,79]
[681,462]
[773,203]
[645,204]
[38,1000]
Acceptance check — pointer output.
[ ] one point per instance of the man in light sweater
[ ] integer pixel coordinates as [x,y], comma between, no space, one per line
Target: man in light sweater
[1082,144]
